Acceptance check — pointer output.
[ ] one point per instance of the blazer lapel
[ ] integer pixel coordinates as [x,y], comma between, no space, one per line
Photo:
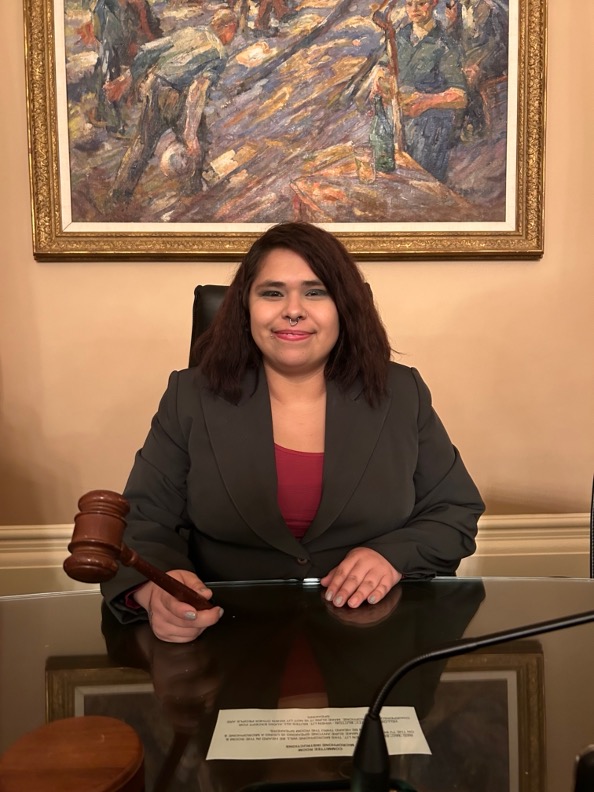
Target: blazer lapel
[250,475]
[352,431]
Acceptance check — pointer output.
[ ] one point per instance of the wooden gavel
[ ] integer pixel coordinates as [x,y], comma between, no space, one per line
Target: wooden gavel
[96,547]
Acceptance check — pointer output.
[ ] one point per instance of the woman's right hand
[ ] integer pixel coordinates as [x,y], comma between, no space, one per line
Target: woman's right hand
[172,620]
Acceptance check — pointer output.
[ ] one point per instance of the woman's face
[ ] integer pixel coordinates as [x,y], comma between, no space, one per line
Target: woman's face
[293,320]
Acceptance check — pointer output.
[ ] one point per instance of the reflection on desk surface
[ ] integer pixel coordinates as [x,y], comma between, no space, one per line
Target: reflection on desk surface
[283,645]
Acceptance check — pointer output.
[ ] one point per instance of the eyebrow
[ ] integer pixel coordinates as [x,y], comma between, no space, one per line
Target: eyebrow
[281,284]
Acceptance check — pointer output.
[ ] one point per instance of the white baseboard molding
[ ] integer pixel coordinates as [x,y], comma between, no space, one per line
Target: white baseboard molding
[531,545]
[514,544]
[533,534]
[39,546]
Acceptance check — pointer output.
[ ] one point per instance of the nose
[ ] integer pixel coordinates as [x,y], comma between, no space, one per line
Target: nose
[294,307]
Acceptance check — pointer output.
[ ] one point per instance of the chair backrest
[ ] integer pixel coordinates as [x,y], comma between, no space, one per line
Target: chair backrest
[207,300]
[584,771]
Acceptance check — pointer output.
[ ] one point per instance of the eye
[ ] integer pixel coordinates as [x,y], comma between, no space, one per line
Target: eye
[271,293]
[316,293]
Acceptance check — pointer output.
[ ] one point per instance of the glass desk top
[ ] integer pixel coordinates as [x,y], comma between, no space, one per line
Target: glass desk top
[509,718]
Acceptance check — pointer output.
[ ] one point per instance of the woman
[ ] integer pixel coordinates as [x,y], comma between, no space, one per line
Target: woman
[295,449]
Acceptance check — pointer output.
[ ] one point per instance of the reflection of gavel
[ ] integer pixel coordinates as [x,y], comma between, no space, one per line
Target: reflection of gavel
[97,546]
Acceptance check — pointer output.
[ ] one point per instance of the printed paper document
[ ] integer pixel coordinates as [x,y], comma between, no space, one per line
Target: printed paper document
[294,733]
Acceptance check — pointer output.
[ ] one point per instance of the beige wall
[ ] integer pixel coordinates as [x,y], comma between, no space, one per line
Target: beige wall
[85,349]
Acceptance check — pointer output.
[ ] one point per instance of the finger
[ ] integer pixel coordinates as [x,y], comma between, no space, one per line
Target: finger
[385,585]
[379,592]
[191,581]
[365,589]
[349,584]
[365,581]
[182,607]
[202,589]
[334,580]
[182,613]
[187,620]
[170,628]
[164,605]
[186,610]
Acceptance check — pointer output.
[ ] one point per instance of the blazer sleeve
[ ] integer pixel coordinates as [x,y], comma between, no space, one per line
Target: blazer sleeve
[442,526]
[156,490]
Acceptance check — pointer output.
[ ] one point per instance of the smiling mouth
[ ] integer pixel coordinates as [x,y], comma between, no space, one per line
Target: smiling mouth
[291,335]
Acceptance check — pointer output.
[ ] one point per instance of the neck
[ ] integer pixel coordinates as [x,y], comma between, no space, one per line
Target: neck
[421,31]
[296,387]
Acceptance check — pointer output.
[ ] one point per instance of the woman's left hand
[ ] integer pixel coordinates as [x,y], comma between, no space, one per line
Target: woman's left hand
[363,576]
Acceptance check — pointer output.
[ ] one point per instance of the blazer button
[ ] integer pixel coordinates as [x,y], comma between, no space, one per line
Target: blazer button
[303,561]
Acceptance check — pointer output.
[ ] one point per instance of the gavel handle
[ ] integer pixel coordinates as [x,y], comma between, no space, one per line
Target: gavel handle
[172,586]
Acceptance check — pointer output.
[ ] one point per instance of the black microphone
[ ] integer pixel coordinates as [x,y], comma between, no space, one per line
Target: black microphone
[371,762]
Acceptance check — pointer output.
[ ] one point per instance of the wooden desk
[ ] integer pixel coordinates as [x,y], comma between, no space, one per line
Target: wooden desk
[517,715]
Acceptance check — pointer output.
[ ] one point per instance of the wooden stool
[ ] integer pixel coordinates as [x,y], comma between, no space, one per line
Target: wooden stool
[84,754]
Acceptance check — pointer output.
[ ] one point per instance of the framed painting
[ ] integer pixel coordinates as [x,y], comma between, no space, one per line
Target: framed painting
[486,729]
[175,129]
[71,680]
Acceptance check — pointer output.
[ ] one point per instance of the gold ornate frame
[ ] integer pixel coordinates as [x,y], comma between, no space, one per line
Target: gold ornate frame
[51,240]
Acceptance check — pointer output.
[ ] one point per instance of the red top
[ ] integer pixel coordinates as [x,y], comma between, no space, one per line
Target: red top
[299,475]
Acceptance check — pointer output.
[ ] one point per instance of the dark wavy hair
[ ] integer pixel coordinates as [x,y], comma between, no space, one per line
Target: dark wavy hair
[226,351]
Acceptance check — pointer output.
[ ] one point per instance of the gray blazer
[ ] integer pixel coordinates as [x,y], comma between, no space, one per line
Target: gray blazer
[203,487]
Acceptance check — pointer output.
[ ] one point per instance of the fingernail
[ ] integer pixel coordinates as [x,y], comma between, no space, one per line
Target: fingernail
[189,615]
[338,601]
[372,600]
[329,595]
[221,612]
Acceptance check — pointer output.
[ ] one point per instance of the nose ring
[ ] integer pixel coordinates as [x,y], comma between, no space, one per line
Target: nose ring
[293,322]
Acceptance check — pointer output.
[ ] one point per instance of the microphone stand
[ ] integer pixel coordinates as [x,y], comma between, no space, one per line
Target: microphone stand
[371,762]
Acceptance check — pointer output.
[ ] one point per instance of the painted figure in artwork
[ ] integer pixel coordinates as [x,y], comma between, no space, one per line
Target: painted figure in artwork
[266,9]
[482,30]
[177,73]
[121,27]
[421,80]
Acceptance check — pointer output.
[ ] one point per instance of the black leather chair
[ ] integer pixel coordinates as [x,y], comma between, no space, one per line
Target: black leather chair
[207,300]
[584,771]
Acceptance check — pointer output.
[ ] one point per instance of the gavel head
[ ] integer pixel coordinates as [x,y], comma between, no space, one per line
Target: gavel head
[96,542]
